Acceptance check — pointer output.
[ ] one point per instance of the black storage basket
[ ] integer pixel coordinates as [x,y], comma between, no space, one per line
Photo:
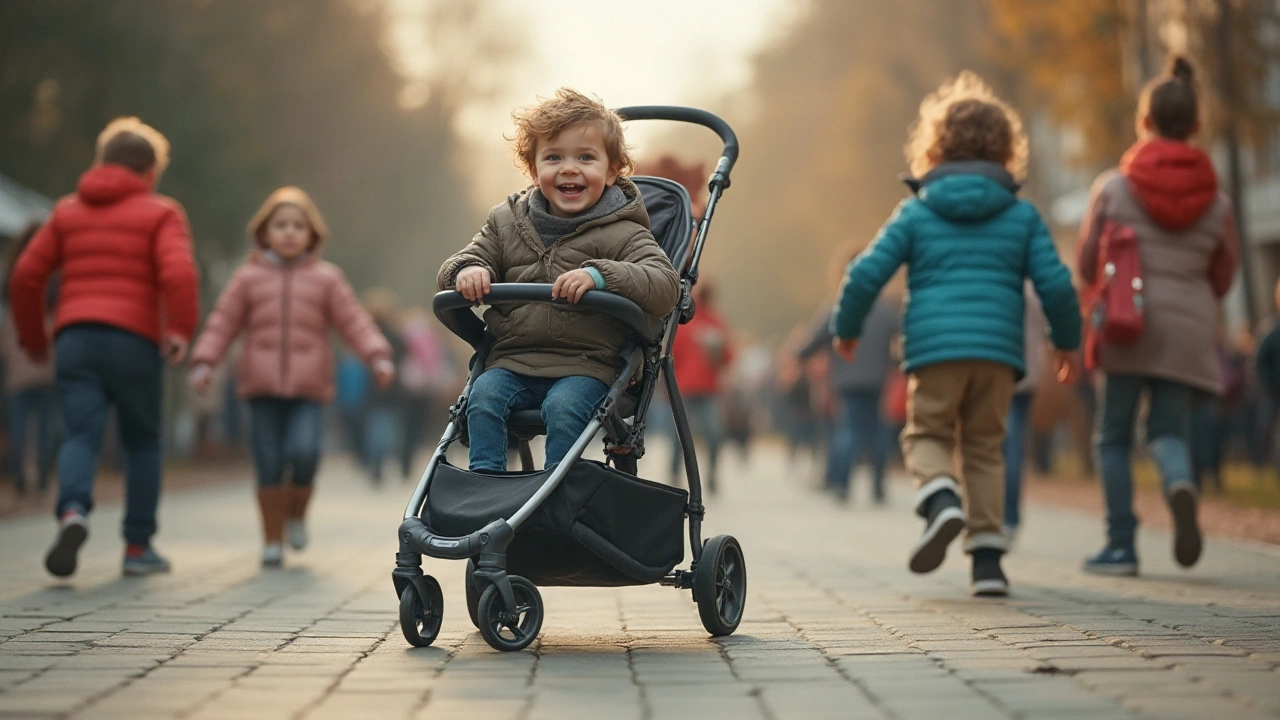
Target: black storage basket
[600,528]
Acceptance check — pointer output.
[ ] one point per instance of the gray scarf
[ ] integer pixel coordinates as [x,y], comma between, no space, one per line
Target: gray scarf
[551,228]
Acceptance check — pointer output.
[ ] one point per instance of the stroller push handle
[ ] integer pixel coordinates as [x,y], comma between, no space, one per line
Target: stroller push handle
[696,117]
[454,310]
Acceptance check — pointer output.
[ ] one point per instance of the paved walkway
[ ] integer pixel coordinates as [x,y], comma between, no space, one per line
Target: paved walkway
[835,627]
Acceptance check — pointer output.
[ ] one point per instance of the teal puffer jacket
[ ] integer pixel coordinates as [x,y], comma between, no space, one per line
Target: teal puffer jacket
[969,244]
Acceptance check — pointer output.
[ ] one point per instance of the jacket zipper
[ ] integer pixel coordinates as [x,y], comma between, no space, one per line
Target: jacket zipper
[286,281]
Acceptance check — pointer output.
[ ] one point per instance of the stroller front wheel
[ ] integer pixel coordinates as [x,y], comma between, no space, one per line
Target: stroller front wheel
[420,617]
[510,630]
[720,585]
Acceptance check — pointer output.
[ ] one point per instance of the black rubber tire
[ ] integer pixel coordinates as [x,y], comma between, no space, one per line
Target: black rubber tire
[473,593]
[720,585]
[420,618]
[493,625]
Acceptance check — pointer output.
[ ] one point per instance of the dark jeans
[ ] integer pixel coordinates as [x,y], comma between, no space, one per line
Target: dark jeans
[414,427]
[857,435]
[36,403]
[1168,429]
[1015,455]
[566,403]
[99,367]
[381,433]
[286,436]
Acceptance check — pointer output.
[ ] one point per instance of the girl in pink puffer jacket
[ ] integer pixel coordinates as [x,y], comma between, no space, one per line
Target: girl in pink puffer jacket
[285,299]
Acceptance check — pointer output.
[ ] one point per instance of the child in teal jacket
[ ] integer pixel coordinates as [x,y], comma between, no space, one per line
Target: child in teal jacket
[969,244]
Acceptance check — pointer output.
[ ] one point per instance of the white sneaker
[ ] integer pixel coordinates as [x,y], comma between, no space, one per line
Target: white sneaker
[272,555]
[296,532]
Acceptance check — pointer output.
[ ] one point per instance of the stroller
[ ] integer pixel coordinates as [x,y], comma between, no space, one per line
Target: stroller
[581,523]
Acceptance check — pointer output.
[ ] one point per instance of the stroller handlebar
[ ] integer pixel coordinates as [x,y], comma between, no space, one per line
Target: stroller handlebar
[454,310]
[697,117]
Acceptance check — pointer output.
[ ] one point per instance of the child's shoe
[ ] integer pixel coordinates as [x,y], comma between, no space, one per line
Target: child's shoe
[295,531]
[143,560]
[1187,543]
[73,530]
[988,578]
[1116,561]
[272,555]
[938,502]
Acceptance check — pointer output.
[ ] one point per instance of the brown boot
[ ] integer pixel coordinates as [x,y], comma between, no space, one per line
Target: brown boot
[296,527]
[271,501]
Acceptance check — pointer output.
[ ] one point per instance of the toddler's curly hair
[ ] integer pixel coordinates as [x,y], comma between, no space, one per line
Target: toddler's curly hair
[964,120]
[567,108]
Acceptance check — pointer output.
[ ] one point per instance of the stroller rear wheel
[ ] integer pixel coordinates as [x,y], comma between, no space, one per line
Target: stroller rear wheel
[510,630]
[720,585]
[473,594]
[420,617]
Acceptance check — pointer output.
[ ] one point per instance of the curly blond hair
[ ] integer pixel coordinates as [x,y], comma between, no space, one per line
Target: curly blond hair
[130,142]
[964,120]
[567,108]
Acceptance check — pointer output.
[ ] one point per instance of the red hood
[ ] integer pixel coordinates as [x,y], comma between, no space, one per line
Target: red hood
[106,184]
[1174,182]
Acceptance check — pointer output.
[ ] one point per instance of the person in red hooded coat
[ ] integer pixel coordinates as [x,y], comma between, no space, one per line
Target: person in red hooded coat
[1166,191]
[128,302]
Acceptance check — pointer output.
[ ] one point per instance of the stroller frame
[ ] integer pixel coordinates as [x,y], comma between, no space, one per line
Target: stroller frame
[507,608]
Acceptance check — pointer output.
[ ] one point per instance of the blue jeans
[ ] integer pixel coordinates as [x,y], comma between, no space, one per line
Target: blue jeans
[99,367]
[23,405]
[703,413]
[286,435]
[858,434]
[566,404]
[381,434]
[1168,429]
[1015,454]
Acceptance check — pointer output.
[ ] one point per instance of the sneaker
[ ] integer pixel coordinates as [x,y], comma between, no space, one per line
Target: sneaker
[1187,543]
[944,521]
[73,530]
[988,578]
[272,555]
[1115,561]
[296,532]
[143,560]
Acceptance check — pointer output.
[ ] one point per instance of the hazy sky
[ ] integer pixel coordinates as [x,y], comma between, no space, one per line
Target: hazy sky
[692,52]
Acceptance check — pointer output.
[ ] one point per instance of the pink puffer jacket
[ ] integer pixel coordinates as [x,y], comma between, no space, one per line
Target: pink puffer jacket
[285,311]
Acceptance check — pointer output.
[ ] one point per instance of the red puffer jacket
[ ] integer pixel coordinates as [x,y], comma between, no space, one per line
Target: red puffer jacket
[124,252]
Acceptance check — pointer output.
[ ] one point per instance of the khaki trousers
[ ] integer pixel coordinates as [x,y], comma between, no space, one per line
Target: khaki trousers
[965,403]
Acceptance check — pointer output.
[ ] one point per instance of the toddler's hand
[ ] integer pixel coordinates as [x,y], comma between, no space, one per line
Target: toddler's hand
[573,285]
[473,282]
[200,378]
[845,348]
[384,372]
[1068,365]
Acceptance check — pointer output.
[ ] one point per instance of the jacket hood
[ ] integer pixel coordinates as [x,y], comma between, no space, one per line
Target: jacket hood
[1174,182]
[634,210]
[106,184]
[966,191]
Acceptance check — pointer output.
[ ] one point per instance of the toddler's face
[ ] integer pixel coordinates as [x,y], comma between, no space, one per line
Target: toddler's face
[288,232]
[572,169]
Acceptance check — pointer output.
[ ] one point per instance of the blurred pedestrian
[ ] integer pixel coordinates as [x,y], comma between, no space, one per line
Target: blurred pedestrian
[858,432]
[352,386]
[1165,199]
[124,252]
[384,412]
[285,298]
[1015,439]
[968,243]
[430,378]
[703,352]
[28,385]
